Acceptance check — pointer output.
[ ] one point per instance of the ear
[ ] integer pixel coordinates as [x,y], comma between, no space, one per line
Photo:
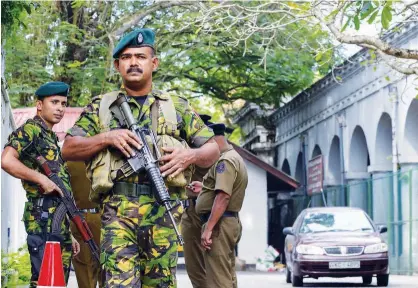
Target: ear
[155,63]
[39,105]
[116,64]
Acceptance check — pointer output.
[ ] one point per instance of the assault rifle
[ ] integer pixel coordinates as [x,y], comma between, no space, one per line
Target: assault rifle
[144,159]
[68,207]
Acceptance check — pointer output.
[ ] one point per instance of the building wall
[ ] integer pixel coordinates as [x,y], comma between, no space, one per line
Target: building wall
[254,216]
[13,197]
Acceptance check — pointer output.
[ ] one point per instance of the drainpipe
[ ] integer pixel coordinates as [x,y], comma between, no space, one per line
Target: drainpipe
[341,122]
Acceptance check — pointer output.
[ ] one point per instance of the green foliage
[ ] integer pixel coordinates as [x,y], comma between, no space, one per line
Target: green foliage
[15,268]
[68,41]
[11,13]
[357,11]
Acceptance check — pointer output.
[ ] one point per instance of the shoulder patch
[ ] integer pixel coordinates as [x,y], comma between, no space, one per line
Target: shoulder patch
[220,168]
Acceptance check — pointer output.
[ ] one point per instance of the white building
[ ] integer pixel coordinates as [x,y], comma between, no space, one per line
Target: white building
[365,128]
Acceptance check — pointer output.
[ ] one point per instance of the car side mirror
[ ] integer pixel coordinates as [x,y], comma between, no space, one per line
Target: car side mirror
[288,231]
[383,229]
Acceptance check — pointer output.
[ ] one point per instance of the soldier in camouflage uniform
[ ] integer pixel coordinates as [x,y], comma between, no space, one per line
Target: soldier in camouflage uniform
[138,240]
[18,159]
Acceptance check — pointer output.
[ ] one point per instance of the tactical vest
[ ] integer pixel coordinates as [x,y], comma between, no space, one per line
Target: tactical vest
[103,168]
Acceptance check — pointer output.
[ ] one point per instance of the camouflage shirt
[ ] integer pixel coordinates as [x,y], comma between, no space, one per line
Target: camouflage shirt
[189,128]
[44,142]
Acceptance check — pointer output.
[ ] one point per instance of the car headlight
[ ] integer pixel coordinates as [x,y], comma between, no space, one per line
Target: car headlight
[376,248]
[309,250]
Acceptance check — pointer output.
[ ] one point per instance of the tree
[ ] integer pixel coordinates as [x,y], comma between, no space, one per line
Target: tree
[269,17]
[72,42]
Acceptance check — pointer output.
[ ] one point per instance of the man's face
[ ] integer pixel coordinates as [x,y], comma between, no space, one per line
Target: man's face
[52,108]
[136,64]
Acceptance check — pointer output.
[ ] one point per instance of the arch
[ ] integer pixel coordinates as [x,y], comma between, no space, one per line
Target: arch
[411,131]
[299,168]
[359,152]
[334,161]
[316,151]
[286,167]
[383,148]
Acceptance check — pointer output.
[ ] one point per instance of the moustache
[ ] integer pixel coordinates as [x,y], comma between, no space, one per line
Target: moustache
[134,69]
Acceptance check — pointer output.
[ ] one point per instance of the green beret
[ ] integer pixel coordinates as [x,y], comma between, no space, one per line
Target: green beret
[143,37]
[53,89]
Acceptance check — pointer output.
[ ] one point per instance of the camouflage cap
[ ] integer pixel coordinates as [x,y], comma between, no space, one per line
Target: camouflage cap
[53,89]
[143,37]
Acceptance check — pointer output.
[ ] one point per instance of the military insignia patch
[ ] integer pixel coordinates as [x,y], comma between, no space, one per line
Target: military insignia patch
[140,38]
[220,168]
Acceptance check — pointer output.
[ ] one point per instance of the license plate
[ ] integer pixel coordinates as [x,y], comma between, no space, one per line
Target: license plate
[344,265]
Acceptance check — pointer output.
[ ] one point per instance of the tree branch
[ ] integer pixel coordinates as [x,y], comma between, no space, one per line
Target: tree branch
[372,42]
[151,9]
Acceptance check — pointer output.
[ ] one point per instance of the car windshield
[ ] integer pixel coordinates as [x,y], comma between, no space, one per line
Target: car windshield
[335,221]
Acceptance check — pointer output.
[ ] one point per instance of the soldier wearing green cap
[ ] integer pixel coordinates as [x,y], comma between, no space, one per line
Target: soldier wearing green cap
[36,137]
[138,240]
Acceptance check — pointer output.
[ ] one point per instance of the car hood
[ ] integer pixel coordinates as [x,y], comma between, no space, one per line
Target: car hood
[340,238]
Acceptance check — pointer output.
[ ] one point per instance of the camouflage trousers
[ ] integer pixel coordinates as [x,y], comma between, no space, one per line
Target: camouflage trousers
[36,242]
[138,242]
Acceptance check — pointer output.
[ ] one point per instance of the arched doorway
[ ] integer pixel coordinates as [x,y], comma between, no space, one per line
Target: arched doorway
[316,151]
[410,141]
[334,192]
[359,189]
[382,177]
[286,167]
[299,168]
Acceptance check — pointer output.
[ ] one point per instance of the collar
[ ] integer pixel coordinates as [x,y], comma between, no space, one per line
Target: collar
[41,122]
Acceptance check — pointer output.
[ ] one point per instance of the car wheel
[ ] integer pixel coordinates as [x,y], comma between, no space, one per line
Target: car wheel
[297,281]
[288,276]
[383,280]
[367,280]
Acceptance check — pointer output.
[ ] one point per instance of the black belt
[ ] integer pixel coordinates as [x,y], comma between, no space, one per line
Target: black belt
[188,202]
[205,217]
[132,189]
[90,210]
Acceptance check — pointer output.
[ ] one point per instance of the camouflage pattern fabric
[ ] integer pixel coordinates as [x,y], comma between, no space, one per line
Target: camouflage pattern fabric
[138,243]
[190,127]
[35,131]
[44,142]
[34,229]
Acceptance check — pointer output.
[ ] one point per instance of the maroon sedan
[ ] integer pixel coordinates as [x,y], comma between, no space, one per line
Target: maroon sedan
[335,242]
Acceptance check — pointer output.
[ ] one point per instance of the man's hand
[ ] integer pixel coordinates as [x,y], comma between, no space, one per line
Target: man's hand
[176,161]
[48,186]
[75,246]
[206,239]
[195,187]
[123,139]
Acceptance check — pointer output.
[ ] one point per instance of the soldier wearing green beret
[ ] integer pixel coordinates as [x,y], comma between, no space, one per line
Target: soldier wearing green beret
[36,137]
[138,240]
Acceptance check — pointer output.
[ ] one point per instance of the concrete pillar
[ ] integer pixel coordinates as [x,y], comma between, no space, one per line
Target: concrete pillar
[334,196]
[408,215]
[382,200]
[359,191]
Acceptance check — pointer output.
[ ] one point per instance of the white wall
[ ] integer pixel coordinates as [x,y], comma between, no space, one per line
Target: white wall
[13,197]
[254,216]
